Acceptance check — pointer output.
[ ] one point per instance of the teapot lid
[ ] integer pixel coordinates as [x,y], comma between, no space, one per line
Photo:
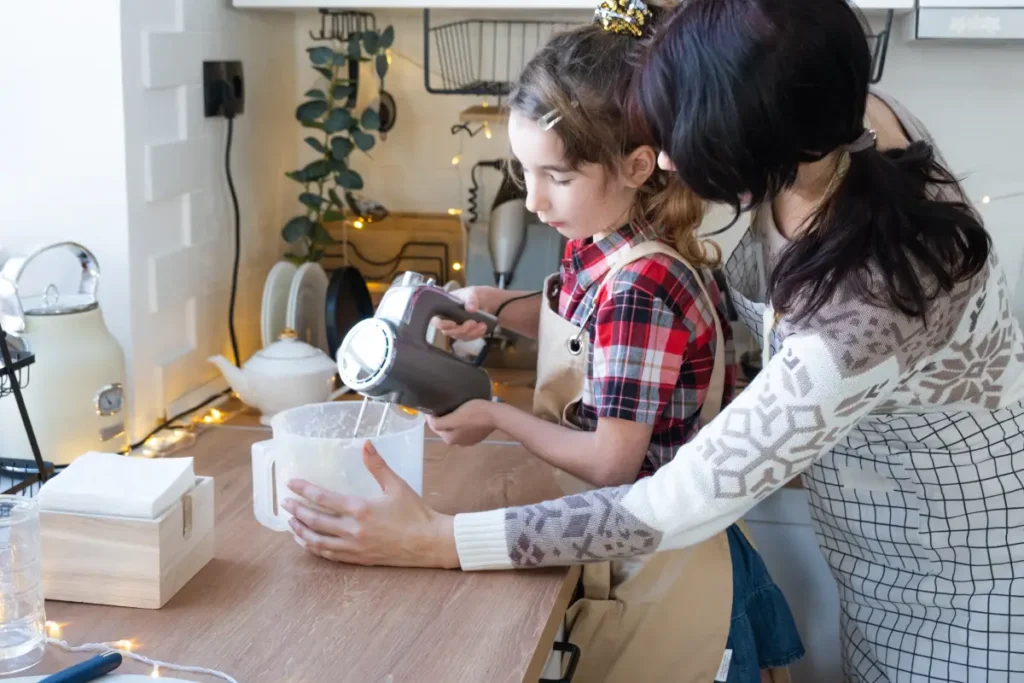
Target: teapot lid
[289,347]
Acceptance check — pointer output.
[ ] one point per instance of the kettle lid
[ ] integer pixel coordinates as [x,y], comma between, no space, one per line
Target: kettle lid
[53,303]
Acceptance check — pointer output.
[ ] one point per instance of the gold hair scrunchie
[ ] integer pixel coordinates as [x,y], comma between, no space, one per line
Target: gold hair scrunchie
[623,16]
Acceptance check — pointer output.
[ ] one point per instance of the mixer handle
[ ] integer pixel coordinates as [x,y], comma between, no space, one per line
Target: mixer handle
[454,309]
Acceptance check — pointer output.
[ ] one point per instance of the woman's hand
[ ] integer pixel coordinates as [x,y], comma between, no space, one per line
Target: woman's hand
[476,299]
[467,425]
[395,529]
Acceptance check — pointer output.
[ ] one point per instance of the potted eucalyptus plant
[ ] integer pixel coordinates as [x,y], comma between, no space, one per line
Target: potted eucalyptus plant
[328,182]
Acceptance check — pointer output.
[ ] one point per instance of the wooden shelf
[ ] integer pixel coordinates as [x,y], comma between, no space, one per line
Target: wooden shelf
[481,114]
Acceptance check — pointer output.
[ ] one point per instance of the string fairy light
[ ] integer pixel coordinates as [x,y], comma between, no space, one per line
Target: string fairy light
[124,647]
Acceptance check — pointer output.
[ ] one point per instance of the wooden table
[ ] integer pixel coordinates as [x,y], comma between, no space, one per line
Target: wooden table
[266,611]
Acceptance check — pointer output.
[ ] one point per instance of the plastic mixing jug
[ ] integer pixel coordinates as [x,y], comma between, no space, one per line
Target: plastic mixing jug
[317,443]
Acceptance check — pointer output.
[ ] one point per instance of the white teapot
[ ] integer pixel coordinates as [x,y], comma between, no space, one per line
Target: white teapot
[286,374]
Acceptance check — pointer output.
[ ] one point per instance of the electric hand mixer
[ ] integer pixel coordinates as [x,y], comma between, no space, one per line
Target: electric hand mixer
[387,357]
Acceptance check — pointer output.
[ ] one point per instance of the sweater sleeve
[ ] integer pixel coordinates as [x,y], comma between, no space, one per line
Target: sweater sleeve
[831,372]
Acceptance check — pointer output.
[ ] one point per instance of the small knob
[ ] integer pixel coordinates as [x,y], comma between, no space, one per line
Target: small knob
[288,333]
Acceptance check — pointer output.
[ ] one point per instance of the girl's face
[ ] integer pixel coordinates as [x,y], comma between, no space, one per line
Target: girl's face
[578,202]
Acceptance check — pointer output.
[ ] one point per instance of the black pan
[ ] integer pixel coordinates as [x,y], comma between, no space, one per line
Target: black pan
[348,302]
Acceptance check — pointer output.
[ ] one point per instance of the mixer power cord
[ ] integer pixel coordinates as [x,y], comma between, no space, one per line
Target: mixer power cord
[474,191]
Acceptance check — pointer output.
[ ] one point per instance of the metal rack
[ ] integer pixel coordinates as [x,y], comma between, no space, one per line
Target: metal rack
[481,56]
[19,476]
[485,56]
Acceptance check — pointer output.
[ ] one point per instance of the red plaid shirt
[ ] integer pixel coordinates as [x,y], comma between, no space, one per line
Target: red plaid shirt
[651,340]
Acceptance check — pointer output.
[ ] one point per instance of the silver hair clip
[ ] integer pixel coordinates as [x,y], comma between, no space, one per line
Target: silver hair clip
[548,121]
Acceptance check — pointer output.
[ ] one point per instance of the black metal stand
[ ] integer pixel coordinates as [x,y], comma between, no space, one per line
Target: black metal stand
[14,375]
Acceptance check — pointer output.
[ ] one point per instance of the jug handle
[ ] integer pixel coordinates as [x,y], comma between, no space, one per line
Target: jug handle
[263,487]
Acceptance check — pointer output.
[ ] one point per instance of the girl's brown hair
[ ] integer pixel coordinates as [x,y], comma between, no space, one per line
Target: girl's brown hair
[584,76]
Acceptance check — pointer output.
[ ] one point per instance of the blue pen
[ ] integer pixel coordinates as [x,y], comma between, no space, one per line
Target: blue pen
[89,670]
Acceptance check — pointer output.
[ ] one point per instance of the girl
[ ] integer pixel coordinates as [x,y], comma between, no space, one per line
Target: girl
[632,360]
[895,372]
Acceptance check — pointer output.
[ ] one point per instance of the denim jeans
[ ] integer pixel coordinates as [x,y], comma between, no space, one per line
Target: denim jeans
[763,634]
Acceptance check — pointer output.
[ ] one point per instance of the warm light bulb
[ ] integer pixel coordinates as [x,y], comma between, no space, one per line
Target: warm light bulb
[456,266]
[387,53]
[484,105]
[125,645]
[358,225]
[487,131]
[155,673]
[53,629]
[454,212]
[986,199]
[216,414]
[456,159]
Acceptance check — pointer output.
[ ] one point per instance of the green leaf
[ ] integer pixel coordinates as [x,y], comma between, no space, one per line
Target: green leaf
[331,215]
[298,176]
[364,141]
[370,120]
[350,180]
[341,147]
[335,199]
[321,236]
[317,170]
[341,92]
[338,120]
[387,37]
[353,47]
[320,55]
[295,258]
[316,94]
[353,205]
[325,72]
[297,228]
[311,111]
[382,65]
[371,41]
[340,59]
[316,144]
[338,165]
[313,124]
[311,200]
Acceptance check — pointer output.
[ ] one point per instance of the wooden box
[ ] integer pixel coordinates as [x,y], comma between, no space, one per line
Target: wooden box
[128,562]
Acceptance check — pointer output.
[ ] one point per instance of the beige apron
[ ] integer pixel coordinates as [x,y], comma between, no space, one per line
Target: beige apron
[664,617]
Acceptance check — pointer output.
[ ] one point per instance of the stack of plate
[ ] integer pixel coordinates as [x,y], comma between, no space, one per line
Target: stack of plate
[320,308]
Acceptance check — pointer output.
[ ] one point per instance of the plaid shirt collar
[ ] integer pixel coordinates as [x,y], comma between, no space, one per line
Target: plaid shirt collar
[591,259]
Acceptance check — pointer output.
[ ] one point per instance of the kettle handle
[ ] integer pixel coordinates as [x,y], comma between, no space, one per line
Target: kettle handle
[15,267]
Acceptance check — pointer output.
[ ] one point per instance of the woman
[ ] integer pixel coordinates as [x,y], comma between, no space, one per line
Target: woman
[894,370]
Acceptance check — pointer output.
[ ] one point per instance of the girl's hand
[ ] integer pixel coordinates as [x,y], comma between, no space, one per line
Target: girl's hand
[476,299]
[396,529]
[468,425]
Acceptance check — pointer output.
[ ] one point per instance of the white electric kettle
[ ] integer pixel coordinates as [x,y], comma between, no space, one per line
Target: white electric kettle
[75,390]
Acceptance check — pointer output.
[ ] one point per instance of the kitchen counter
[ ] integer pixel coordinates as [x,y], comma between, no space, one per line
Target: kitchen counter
[265,611]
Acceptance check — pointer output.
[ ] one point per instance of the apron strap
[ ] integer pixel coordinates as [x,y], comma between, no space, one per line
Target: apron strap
[716,389]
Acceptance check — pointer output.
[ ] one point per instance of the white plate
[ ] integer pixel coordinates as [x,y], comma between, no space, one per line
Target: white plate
[274,310]
[307,303]
[109,678]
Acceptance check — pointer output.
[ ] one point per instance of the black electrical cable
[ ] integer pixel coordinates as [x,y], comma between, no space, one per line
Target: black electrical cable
[482,356]
[238,239]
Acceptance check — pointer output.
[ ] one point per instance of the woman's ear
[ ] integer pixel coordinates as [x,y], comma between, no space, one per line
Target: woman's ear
[639,165]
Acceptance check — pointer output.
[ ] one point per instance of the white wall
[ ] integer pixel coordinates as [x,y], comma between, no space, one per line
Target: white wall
[182,225]
[62,157]
[104,142]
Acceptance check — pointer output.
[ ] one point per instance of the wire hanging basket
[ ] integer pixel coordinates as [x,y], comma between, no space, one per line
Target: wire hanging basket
[485,56]
[481,56]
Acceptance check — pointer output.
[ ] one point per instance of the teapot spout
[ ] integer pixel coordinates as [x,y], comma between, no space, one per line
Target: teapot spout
[235,377]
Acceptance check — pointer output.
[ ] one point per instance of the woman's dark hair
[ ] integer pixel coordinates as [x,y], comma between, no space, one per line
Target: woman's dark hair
[584,75]
[739,93]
